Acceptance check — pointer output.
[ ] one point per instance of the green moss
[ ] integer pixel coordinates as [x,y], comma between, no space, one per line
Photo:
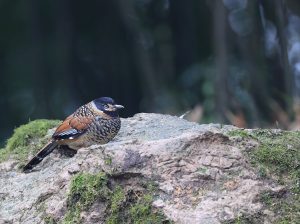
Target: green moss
[277,157]
[72,216]
[108,160]
[134,207]
[118,198]
[85,190]
[141,212]
[49,220]
[279,152]
[122,205]
[202,170]
[238,133]
[242,219]
[28,138]
[286,207]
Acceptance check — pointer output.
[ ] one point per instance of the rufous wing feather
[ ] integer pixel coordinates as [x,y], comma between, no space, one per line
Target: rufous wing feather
[72,127]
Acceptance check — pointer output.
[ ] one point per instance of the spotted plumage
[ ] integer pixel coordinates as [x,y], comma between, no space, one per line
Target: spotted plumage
[96,122]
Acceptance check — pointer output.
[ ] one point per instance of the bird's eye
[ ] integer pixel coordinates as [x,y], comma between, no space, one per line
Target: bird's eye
[105,106]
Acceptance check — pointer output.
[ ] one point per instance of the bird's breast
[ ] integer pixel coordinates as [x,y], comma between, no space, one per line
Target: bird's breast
[102,130]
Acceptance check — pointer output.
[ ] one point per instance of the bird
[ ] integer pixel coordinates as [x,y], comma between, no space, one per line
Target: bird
[96,122]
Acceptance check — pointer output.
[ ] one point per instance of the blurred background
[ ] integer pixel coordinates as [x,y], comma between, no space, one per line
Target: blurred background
[224,61]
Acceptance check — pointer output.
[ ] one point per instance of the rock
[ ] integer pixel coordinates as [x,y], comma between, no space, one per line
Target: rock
[7,165]
[202,177]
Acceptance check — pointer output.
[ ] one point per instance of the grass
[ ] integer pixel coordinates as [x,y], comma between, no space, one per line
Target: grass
[277,157]
[26,139]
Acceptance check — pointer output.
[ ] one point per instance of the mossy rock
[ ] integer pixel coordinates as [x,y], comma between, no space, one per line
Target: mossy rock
[122,205]
[27,139]
[85,190]
[277,157]
[134,207]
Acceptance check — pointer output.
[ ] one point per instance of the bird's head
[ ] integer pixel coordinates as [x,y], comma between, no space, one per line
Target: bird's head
[107,105]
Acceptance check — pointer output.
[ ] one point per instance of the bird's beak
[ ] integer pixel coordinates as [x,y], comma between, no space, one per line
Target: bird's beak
[119,106]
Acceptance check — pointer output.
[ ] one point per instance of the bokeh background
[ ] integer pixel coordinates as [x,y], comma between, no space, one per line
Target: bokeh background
[226,61]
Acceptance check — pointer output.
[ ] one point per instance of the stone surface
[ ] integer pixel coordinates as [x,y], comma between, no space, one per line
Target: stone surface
[202,176]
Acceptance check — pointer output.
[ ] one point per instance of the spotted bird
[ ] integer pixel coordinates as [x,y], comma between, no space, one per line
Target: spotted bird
[96,122]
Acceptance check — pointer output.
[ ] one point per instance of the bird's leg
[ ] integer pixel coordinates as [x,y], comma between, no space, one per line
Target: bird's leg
[66,151]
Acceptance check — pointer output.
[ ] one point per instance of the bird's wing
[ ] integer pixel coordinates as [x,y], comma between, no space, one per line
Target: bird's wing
[72,127]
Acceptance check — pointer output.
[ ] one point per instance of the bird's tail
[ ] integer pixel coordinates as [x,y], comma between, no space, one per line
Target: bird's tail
[40,156]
